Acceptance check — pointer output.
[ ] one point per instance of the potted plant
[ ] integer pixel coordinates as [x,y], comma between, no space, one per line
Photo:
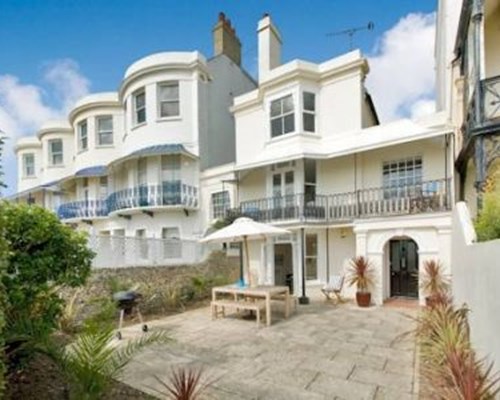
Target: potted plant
[361,274]
[434,283]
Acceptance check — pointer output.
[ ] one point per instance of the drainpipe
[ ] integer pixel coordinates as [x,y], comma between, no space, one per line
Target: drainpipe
[446,189]
[327,256]
[303,299]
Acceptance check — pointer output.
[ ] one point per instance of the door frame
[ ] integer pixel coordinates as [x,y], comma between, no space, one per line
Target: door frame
[389,267]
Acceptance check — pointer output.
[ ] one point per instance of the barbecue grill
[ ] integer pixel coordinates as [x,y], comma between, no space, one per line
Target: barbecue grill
[127,301]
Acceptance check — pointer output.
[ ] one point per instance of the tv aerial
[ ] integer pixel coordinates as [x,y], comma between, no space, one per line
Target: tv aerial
[352,31]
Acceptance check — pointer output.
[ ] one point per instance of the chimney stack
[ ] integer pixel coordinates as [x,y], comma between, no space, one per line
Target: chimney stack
[269,46]
[225,39]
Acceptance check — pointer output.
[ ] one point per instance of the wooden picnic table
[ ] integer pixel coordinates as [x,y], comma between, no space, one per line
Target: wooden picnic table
[264,291]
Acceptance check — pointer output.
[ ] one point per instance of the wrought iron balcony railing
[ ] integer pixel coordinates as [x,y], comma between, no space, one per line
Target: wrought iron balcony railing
[172,193]
[83,209]
[425,197]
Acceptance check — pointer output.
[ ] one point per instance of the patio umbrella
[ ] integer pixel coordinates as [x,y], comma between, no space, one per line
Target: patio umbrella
[242,230]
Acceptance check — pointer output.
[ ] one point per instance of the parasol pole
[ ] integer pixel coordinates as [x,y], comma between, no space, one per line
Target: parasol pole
[247,258]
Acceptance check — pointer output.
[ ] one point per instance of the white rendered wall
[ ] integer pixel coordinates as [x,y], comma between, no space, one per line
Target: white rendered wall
[52,173]
[28,182]
[475,282]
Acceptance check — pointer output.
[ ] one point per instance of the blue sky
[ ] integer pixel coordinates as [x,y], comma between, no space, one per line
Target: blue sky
[98,39]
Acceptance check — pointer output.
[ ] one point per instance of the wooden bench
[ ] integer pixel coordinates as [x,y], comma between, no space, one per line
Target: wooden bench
[219,307]
[292,306]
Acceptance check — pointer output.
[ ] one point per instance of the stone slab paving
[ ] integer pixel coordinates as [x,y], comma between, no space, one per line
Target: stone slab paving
[321,352]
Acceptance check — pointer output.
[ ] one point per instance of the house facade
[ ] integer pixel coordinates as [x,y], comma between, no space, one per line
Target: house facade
[312,157]
[129,163]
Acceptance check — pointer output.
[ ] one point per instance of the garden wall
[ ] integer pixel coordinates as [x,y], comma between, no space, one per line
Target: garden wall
[476,279]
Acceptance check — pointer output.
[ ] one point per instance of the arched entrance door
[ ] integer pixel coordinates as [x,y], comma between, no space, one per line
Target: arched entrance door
[403,260]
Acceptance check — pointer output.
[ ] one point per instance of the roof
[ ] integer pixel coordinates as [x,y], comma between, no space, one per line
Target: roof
[160,149]
[34,189]
[98,170]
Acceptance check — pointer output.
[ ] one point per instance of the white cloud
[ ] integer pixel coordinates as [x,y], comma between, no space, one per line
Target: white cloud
[402,73]
[24,107]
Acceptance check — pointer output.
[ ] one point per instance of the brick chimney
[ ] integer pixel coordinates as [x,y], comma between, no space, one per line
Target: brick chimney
[225,39]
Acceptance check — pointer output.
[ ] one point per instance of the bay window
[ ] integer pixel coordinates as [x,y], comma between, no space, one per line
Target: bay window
[139,100]
[309,112]
[83,141]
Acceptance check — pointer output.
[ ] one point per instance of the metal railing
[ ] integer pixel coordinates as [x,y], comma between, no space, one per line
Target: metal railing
[83,209]
[425,197]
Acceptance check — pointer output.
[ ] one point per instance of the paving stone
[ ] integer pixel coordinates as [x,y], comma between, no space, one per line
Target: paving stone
[403,383]
[342,388]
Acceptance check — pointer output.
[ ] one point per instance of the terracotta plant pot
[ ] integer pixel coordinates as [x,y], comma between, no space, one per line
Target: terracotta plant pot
[363,299]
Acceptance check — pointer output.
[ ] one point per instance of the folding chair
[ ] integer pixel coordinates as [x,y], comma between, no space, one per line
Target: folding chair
[333,288]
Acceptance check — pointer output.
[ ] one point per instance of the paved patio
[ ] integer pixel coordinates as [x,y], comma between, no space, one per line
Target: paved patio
[321,352]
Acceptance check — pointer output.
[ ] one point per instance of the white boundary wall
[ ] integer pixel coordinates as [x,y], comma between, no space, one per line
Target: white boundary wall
[476,282]
[126,251]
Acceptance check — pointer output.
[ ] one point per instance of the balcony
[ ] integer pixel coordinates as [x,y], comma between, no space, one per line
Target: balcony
[168,194]
[489,107]
[426,197]
[86,209]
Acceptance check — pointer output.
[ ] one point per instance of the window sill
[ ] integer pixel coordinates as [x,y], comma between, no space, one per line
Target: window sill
[287,136]
[105,146]
[81,152]
[29,177]
[56,166]
[168,119]
[137,126]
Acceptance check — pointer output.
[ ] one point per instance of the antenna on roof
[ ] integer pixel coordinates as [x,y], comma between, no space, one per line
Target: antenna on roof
[350,32]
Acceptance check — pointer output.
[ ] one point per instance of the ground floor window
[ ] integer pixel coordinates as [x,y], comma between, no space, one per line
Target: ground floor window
[142,243]
[311,256]
[172,245]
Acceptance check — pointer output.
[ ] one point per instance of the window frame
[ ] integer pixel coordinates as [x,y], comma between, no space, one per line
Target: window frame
[137,109]
[395,171]
[219,206]
[52,153]
[309,112]
[99,132]
[282,116]
[81,138]
[309,257]
[25,165]
[176,100]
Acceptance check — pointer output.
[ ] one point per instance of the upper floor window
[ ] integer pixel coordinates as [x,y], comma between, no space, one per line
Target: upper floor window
[83,138]
[28,165]
[309,112]
[220,204]
[402,178]
[139,99]
[105,130]
[55,152]
[282,116]
[168,99]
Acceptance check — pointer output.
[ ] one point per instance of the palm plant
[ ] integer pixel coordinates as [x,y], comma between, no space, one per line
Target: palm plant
[91,363]
[184,384]
[434,282]
[360,273]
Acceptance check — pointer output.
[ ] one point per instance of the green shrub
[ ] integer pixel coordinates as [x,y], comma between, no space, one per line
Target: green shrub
[488,222]
[43,256]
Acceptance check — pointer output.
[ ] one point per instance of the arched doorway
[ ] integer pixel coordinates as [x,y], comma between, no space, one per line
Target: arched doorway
[403,267]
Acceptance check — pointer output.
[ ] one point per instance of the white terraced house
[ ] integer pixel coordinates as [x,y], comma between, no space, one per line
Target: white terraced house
[129,163]
[312,157]
[186,141]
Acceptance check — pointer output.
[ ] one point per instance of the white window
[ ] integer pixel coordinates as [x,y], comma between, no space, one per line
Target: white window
[402,178]
[142,172]
[142,243]
[172,245]
[311,256]
[85,189]
[282,116]
[170,167]
[220,204]
[28,165]
[83,139]
[139,99]
[309,112]
[103,187]
[168,99]
[55,152]
[105,130]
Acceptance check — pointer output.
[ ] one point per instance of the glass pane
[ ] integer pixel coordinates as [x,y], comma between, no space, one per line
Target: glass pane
[310,170]
[309,101]
[141,115]
[289,123]
[311,268]
[275,108]
[311,245]
[169,92]
[140,100]
[308,122]
[287,104]
[106,138]
[105,124]
[57,159]
[56,146]
[169,109]
[276,127]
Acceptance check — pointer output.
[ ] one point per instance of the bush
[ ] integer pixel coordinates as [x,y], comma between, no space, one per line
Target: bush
[488,222]
[43,256]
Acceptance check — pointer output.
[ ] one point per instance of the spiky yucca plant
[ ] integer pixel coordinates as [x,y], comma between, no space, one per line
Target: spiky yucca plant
[360,273]
[92,362]
[184,384]
[433,280]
